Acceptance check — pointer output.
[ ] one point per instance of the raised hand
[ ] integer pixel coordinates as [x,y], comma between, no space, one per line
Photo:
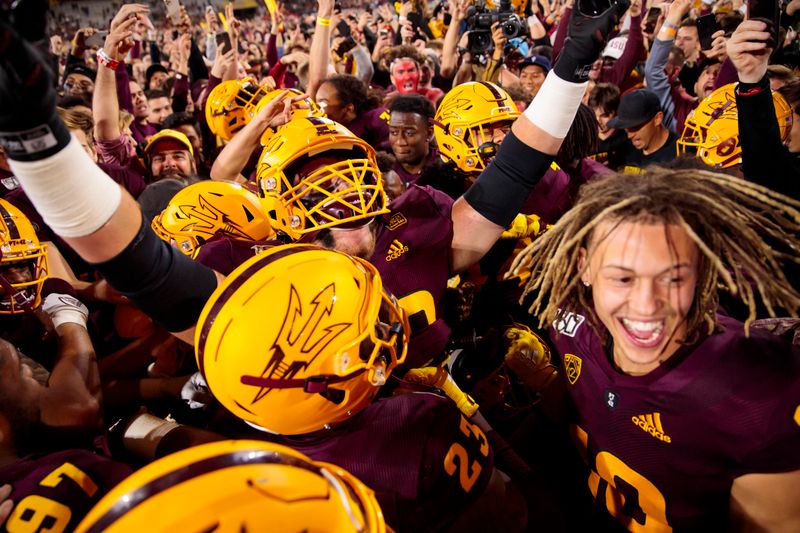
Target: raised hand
[128,11]
[29,124]
[748,51]
[586,37]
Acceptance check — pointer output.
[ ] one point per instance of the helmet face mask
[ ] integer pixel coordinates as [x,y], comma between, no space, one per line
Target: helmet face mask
[328,340]
[711,131]
[466,113]
[20,249]
[318,175]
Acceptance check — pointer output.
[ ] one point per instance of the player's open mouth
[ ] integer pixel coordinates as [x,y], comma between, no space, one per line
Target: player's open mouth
[643,334]
[408,86]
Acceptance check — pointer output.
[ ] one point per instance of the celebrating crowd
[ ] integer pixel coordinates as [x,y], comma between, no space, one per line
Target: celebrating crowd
[456,266]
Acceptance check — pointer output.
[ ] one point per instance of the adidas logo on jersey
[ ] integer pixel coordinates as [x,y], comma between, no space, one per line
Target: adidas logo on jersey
[396,249]
[652,425]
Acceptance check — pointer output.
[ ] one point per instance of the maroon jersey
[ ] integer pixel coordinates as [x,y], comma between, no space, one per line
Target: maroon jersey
[424,460]
[53,492]
[666,447]
[412,253]
[373,127]
[224,255]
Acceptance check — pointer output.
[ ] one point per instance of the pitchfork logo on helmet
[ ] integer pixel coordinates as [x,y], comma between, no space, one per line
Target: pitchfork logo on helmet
[711,131]
[320,175]
[300,338]
[23,262]
[307,333]
[208,209]
[461,121]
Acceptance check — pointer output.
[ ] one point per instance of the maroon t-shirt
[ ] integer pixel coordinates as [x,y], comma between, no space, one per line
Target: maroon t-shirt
[412,253]
[424,460]
[670,443]
[53,492]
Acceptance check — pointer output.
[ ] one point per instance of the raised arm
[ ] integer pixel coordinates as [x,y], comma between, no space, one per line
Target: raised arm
[93,214]
[232,159]
[320,47]
[526,153]
[105,102]
[765,159]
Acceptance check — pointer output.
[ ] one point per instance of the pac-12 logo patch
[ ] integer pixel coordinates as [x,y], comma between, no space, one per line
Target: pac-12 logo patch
[568,323]
[572,364]
[396,221]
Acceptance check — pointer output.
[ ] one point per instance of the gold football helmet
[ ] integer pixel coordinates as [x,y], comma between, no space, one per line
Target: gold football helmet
[21,251]
[711,131]
[237,486]
[299,338]
[460,121]
[232,104]
[209,209]
[321,175]
[307,108]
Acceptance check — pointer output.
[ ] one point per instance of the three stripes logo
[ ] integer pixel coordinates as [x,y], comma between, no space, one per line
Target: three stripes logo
[652,425]
[396,249]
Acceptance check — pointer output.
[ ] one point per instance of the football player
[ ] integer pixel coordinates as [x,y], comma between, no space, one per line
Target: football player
[662,383]
[104,225]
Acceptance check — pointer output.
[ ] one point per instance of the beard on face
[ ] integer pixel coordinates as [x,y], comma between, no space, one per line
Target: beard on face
[335,239]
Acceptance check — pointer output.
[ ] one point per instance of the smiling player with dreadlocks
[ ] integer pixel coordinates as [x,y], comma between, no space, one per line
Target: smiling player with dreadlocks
[689,417]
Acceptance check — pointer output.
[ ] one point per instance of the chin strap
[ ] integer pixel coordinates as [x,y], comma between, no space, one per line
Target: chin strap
[312,385]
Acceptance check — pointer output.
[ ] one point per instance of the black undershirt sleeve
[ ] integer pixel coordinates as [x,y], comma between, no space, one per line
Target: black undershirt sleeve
[165,284]
[503,187]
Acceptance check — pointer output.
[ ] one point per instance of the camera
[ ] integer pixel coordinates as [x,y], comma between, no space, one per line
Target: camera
[480,20]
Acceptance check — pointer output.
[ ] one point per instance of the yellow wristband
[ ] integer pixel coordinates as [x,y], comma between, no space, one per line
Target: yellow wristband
[323,21]
[669,33]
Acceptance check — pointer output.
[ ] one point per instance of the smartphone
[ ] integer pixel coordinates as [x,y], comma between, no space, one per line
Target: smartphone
[706,27]
[344,28]
[97,39]
[173,11]
[345,46]
[767,11]
[416,22]
[223,42]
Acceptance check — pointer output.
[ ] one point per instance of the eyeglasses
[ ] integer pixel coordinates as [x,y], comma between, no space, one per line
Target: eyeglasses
[84,85]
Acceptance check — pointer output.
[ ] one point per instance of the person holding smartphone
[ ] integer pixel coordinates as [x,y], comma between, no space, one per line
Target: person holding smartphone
[765,159]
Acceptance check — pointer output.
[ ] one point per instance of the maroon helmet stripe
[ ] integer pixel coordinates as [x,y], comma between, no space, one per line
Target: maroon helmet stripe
[495,93]
[8,218]
[240,280]
[136,497]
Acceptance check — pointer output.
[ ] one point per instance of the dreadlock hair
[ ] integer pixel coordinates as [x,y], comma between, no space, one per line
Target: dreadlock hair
[743,232]
[582,137]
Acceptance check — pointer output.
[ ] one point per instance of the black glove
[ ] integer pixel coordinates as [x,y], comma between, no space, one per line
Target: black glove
[30,129]
[589,26]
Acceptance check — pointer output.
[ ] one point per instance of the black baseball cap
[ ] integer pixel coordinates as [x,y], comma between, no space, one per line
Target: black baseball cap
[635,108]
[82,69]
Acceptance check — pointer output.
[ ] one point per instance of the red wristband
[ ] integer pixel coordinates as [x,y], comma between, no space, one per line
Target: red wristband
[105,60]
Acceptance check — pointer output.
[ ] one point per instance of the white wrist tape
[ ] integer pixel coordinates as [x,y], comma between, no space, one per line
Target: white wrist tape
[73,195]
[63,308]
[555,105]
[144,433]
